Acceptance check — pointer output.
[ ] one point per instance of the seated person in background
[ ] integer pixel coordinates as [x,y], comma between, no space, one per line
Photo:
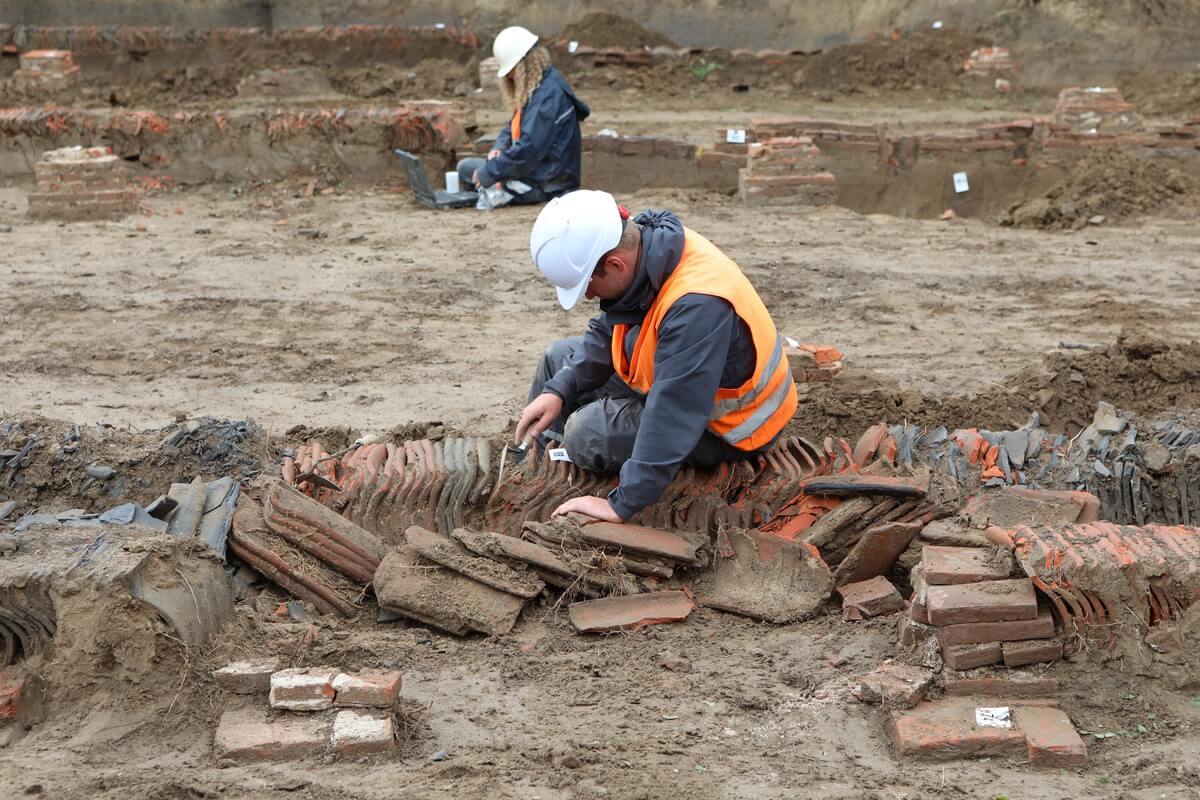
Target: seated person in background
[537,155]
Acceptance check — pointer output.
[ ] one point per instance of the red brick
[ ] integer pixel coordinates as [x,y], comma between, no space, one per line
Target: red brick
[246,735]
[1052,739]
[953,565]
[358,733]
[368,688]
[1034,651]
[630,612]
[989,601]
[1013,631]
[895,685]
[817,179]
[247,677]
[870,598]
[969,656]
[303,689]
[1010,684]
[946,729]
[13,694]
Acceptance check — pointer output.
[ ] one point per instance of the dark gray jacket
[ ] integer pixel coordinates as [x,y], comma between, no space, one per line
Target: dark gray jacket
[702,345]
[549,152]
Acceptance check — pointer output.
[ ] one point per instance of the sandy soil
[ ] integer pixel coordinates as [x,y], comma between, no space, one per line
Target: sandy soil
[360,309]
[365,310]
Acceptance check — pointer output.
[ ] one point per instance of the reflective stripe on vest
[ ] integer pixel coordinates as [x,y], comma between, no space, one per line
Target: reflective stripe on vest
[748,416]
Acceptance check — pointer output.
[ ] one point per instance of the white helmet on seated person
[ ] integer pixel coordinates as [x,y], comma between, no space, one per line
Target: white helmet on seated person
[510,46]
[570,236]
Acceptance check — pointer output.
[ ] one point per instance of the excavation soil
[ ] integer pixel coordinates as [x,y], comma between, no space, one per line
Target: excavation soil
[603,29]
[386,322]
[1107,185]
[330,315]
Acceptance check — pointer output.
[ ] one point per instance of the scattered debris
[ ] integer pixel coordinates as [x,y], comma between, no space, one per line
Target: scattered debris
[630,612]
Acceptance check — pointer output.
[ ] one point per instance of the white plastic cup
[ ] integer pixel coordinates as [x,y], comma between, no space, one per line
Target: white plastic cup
[452,181]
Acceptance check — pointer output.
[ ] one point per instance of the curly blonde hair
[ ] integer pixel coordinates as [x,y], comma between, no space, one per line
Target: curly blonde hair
[526,76]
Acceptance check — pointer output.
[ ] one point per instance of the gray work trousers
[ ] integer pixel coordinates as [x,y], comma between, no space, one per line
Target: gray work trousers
[599,429]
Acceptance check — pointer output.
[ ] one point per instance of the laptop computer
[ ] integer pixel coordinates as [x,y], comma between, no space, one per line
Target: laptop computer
[427,196]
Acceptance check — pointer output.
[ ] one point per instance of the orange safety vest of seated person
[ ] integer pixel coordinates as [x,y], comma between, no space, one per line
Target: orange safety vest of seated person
[514,127]
[748,416]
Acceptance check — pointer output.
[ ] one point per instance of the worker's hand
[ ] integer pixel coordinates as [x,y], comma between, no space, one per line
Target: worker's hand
[538,416]
[594,507]
[492,154]
[475,178]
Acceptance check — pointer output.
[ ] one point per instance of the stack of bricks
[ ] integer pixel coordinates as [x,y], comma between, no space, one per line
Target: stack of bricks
[982,614]
[48,70]
[1095,110]
[79,184]
[312,712]
[818,363]
[786,170]
[991,62]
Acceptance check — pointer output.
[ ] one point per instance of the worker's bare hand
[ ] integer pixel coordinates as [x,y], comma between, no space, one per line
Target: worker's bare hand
[492,154]
[475,178]
[538,416]
[594,507]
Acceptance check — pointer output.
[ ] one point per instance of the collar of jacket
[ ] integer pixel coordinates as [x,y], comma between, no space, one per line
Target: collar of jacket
[662,246]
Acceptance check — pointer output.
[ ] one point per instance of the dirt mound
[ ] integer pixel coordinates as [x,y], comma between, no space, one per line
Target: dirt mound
[1156,93]
[96,467]
[925,60]
[1139,372]
[602,29]
[1109,183]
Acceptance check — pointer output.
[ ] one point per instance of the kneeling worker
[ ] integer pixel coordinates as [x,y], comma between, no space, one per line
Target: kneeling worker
[683,363]
[538,154]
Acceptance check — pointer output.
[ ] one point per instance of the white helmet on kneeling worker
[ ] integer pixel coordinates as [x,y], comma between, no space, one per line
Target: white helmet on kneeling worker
[571,235]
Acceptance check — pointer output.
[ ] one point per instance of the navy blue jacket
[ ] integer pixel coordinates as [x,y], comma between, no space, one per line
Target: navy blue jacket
[549,152]
[702,345]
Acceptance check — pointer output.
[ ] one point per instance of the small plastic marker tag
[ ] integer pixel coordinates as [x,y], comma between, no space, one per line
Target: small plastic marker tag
[440,25]
[572,46]
[791,342]
[735,136]
[937,26]
[960,182]
[998,717]
[559,454]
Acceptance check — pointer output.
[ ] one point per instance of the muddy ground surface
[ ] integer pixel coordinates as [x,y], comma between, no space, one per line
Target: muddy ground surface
[358,311]
[363,309]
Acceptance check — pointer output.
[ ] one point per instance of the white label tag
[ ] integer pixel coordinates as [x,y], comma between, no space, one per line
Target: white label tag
[960,182]
[441,26]
[993,717]
[791,342]
[572,46]
[937,25]
[735,136]
[559,454]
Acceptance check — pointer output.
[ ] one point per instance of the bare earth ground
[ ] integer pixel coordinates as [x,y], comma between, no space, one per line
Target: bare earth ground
[396,314]
[392,314]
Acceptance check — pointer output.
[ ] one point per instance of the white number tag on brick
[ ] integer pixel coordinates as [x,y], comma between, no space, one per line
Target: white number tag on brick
[735,136]
[572,47]
[558,454]
[960,182]
[993,717]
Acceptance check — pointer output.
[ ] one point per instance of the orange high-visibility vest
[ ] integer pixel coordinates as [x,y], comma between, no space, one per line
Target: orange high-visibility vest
[748,416]
[514,128]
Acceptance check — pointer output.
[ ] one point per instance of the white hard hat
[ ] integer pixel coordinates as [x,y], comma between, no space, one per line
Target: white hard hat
[570,236]
[510,47]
